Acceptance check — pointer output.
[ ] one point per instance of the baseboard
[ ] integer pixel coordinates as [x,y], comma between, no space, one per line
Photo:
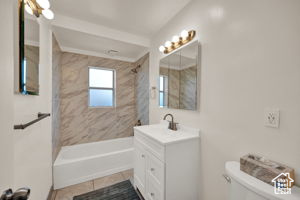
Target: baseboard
[139,194]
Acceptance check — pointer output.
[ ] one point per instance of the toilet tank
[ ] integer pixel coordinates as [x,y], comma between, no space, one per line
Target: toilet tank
[240,192]
[246,187]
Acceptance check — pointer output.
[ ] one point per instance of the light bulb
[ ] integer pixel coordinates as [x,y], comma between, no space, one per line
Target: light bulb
[168,44]
[44,4]
[175,39]
[162,48]
[48,14]
[28,9]
[184,34]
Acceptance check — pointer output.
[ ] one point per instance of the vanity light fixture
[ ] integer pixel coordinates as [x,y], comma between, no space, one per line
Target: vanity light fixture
[177,41]
[38,7]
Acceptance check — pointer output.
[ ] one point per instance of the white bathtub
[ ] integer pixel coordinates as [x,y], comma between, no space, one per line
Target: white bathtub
[83,162]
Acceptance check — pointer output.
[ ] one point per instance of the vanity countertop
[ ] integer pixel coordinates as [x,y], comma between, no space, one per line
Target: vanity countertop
[163,135]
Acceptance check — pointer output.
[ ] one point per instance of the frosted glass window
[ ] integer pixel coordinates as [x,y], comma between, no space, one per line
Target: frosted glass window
[163,91]
[161,99]
[161,83]
[101,78]
[101,87]
[100,97]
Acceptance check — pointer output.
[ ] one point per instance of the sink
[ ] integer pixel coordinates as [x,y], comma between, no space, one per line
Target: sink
[160,155]
[163,135]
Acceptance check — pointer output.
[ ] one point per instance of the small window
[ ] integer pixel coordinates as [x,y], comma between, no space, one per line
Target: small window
[101,87]
[163,91]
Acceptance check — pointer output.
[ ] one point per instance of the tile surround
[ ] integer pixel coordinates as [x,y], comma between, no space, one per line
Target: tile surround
[32,74]
[182,87]
[142,89]
[83,124]
[56,77]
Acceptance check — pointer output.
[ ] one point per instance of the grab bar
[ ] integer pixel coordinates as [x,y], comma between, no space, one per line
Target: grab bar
[40,117]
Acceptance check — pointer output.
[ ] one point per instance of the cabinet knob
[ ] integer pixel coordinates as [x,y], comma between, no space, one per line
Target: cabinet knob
[152,169]
[152,194]
[143,156]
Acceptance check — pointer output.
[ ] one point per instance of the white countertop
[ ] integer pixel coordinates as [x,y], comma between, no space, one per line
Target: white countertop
[163,135]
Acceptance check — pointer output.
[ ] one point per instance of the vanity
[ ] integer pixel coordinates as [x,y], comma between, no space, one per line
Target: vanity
[166,162]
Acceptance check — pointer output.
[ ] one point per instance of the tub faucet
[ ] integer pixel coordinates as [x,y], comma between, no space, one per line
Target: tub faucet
[172,124]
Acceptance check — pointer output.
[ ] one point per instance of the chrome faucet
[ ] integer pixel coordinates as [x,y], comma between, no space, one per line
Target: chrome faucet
[172,124]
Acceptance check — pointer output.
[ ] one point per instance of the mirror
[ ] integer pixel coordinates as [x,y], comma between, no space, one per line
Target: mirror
[29,53]
[178,73]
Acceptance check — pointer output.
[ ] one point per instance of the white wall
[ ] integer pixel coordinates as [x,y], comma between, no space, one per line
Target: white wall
[6,95]
[33,148]
[250,61]
[26,158]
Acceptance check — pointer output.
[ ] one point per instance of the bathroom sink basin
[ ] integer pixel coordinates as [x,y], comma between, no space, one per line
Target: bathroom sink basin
[163,135]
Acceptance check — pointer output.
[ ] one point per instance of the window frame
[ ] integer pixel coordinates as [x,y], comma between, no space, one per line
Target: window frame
[103,88]
[164,91]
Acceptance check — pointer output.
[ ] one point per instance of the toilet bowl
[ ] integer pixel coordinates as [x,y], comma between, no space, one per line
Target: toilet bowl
[246,187]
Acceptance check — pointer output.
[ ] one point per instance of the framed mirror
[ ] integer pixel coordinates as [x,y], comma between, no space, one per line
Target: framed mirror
[28,52]
[178,78]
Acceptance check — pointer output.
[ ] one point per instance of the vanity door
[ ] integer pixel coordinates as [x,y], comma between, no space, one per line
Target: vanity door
[140,168]
[154,178]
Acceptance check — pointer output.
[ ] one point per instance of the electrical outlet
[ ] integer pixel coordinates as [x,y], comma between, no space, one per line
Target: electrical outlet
[272,117]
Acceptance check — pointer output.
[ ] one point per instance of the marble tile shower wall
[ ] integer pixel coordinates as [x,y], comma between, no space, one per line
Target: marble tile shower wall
[32,57]
[56,77]
[188,88]
[79,122]
[142,89]
[182,87]
[173,84]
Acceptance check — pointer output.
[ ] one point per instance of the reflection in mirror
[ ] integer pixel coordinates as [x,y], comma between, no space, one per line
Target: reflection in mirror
[178,79]
[29,55]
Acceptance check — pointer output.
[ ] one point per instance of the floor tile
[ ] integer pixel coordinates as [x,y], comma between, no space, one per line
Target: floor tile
[69,192]
[108,180]
[53,195]
[128,174]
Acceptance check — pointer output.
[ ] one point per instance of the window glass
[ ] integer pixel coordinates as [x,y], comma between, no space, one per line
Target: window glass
[161,83]
[101,87]
[100,97]
[101,78]
[163,90]
[161,99]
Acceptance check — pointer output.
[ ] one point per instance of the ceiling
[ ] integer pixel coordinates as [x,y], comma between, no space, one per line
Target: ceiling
[78,42]
[94,27]
[141,17]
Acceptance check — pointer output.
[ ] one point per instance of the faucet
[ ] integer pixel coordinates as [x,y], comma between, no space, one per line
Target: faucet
[172,124]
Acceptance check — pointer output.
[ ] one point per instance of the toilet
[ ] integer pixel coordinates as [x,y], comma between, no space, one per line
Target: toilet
[245,187]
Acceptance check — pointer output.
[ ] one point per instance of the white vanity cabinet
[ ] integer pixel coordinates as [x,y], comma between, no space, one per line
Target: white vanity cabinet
[166,163]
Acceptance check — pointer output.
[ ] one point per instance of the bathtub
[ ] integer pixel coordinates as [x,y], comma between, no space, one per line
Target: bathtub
[83,162]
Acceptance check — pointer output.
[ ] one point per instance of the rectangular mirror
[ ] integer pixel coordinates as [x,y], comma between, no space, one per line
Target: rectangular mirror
[29,53]
[178,74]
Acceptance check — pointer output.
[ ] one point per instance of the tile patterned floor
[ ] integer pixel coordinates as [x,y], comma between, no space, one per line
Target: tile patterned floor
[69,192]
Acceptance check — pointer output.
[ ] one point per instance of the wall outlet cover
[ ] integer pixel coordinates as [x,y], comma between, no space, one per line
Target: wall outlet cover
[272,117]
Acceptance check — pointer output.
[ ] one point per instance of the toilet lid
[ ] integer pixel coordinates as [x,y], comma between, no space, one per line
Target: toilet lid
[256,185]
